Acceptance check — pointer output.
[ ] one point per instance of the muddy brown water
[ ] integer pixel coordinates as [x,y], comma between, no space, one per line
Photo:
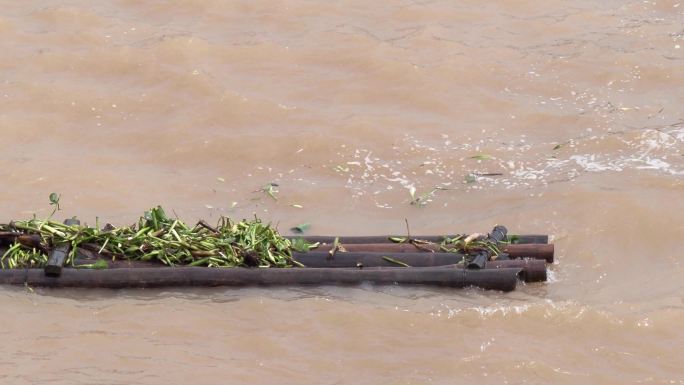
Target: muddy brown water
[349,107]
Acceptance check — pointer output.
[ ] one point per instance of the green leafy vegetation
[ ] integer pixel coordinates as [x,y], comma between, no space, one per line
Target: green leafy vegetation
[154,238]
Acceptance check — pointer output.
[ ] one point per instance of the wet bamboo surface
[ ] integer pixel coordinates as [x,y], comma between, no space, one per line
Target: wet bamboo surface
[528,270]
[504,279]
[534,251]
[404,253]
[533,270]
[520,239]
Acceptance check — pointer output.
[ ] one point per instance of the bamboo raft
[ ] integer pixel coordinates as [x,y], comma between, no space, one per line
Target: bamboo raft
[419,260]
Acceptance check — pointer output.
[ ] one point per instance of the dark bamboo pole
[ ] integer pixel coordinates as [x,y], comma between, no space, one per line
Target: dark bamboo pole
[321,259]
[492,279]
[521,239]
[545,251]
[533,270]
[362,256]
[535,251]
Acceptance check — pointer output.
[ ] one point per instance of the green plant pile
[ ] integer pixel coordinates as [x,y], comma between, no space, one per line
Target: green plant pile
[155,238]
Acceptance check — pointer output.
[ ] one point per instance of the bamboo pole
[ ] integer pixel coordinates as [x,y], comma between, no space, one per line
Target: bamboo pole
[504,279]
[534,251]
[362,256]
[533,270]
[521,239]
[7,237]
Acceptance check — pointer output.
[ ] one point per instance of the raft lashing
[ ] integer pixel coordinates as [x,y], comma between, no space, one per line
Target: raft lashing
[493,261]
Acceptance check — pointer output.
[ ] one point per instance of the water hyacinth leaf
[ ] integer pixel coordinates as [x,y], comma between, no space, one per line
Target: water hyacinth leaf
[300,245]
[54,200]
[161,215]
[271,190]
[300,229]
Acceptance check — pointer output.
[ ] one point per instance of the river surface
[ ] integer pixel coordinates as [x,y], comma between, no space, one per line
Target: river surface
[354,109]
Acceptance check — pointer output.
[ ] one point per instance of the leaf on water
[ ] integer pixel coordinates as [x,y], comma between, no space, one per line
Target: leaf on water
[220,179]
[481,157]
[558,146]
[271,190]
[470,178]
[300,229]
[298,206]
[424,198]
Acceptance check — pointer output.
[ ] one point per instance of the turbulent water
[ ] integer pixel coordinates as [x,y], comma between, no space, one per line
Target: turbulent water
[355,108]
